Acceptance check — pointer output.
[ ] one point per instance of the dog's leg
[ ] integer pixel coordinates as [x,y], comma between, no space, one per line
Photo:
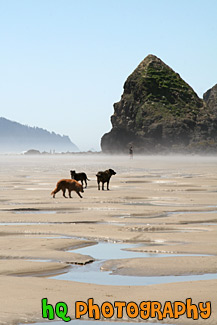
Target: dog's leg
[85,183]
[108,186]
[79,194]
[103,186]
[98,184]
[70,194]
[64,192]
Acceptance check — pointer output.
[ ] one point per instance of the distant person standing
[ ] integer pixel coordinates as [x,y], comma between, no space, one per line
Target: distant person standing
[131,152]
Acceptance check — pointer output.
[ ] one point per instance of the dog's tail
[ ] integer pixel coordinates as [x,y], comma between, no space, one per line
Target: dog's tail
[88,179]
[54,192]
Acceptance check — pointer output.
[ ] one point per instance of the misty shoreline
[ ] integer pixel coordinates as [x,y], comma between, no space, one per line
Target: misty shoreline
[106,154]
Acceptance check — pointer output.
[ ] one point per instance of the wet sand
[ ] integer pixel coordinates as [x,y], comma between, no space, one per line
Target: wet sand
[165,204]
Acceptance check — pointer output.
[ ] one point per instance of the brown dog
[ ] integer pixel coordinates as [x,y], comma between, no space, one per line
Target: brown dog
[70,185]
[104,177]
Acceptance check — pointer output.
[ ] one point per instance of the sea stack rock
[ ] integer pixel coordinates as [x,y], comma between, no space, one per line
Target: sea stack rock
[210,97]
[158,111]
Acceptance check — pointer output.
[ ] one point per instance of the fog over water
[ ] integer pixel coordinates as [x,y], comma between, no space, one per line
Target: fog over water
[182,163]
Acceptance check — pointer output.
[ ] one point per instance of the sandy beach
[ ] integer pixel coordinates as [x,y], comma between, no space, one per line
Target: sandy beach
[163,204]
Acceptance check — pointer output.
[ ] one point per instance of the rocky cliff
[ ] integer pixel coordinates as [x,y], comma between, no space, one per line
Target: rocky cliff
[210,97]
[15,137]
[159,111]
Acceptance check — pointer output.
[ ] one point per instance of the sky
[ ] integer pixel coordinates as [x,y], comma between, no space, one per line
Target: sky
[63,63]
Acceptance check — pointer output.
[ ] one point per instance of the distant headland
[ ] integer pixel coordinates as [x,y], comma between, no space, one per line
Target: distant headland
[16,138]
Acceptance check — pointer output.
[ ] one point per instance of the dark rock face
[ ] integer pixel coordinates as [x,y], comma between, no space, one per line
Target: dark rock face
[210,97]
[159,111]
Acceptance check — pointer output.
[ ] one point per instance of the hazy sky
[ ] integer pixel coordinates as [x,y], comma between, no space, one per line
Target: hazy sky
[63,63]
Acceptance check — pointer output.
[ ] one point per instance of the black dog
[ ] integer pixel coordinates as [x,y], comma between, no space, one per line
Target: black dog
[104,177]
[79,177]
